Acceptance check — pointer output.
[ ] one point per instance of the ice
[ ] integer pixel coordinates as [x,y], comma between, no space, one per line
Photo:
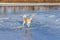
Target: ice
[45,26]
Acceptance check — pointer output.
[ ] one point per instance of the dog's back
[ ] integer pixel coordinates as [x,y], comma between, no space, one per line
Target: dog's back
[29,20]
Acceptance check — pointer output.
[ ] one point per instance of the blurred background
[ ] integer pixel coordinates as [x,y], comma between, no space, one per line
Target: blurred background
[29,1]
[25,9]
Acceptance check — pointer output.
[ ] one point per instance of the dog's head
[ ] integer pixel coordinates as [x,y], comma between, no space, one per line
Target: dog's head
[24,16]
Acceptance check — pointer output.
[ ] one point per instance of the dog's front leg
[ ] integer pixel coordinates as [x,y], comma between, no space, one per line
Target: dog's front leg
[23,23]
[28,24]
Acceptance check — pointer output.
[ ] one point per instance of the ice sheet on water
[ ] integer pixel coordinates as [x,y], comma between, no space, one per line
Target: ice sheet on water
[45,19]
[45,25]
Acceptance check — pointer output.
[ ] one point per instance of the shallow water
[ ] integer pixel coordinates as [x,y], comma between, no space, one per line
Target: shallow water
[45,26]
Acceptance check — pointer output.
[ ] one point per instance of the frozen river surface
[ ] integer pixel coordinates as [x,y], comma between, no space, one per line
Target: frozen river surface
[45,26]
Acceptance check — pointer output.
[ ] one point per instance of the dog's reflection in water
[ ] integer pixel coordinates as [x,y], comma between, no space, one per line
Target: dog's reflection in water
[27,34]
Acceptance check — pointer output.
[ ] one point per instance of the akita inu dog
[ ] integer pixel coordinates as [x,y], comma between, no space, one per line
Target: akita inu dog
[27,21]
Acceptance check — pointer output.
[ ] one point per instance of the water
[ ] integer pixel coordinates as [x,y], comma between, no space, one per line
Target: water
[45,26]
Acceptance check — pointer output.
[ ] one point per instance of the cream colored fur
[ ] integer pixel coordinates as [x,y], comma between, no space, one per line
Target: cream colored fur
[26,21]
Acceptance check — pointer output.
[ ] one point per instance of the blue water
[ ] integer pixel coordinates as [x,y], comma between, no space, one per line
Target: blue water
[45,26]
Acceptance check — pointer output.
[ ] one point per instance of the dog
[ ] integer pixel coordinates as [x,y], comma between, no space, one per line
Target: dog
[26,21]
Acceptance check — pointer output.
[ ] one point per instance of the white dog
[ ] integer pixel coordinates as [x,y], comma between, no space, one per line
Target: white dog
[27,21]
